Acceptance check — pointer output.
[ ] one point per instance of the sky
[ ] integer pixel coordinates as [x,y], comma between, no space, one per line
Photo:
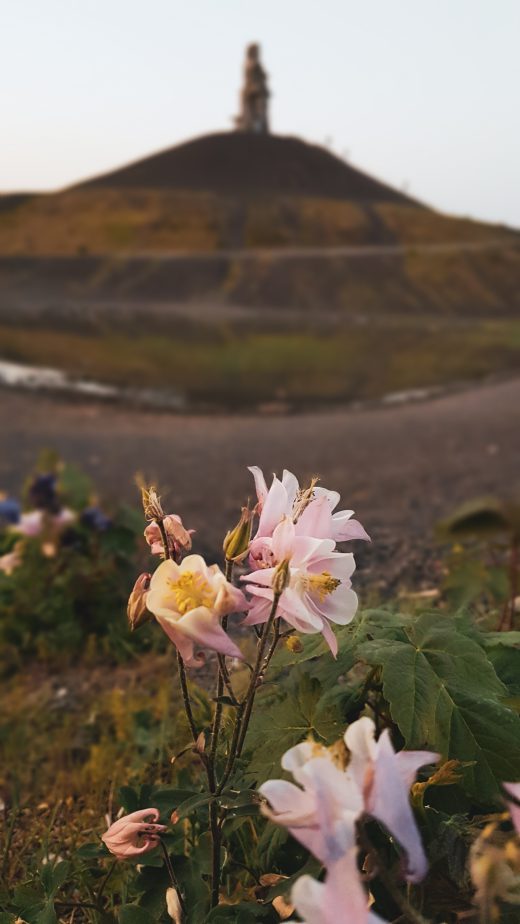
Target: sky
[423,94]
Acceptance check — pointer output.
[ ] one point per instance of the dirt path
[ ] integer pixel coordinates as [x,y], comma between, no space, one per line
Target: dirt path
[400,468]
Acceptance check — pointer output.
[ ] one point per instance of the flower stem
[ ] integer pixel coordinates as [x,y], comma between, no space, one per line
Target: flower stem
[171,873]
[245,708]
[259,669]
[186,696]
[410,913]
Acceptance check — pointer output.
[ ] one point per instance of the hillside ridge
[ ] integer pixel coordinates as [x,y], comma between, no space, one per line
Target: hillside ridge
[242,162]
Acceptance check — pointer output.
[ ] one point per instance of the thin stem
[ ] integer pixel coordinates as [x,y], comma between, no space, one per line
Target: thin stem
[103,885]
[171,873]
[164,537]
[244,710]
[394,892]
[216,837]
[258,670]
[186,696]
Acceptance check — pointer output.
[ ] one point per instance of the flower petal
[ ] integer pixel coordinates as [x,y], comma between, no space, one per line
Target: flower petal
[203,627]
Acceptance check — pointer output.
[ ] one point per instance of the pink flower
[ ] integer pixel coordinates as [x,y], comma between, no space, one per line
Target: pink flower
[319,590]
[11,560]
[317,518]
[32,523]
[133,834]
[341,899]
[384,778]
[188,601]
[514,807]
[179,539]
[321,811]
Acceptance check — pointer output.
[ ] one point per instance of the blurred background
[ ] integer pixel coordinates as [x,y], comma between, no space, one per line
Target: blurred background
[280,235]
[283,234]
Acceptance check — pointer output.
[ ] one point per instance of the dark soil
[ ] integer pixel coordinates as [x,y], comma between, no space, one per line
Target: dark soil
[401,468]
[240,162]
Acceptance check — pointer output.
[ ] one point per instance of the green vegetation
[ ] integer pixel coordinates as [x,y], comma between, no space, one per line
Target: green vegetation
[86,730]
[240,369]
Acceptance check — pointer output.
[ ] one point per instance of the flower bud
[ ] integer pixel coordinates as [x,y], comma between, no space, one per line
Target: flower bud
[281,577]
[237,540]
[136,608]
[173,905]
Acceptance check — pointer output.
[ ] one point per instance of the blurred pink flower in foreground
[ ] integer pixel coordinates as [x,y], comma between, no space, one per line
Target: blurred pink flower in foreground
[384,777]
[323,810]
[179,539]
[514,807]
[341,899]
[134,834]
[188,601]
[319,590]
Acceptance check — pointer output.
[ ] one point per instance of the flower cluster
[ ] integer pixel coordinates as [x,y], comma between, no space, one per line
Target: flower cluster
[324,811]
[297,531]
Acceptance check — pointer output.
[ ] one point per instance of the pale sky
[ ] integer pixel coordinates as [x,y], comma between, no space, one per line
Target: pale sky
[418,93]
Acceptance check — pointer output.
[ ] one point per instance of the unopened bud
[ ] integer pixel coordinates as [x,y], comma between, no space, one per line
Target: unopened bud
[281,577]
[294,644]
[173,905]
[136,608]
[237,540]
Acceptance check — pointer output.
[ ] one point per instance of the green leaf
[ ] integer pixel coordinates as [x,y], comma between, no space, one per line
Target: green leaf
[285,719]
[53,877]
[47,915]
[166,798]
[444,694]
[192,804]
[134,914]
[481,518]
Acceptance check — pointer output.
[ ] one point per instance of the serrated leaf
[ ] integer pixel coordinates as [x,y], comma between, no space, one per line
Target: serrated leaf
[285,719]
[445,695]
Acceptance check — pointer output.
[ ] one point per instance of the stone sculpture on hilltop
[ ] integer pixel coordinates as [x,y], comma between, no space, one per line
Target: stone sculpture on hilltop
[254,95]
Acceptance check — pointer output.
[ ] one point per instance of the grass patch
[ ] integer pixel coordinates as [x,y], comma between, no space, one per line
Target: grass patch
[357,362]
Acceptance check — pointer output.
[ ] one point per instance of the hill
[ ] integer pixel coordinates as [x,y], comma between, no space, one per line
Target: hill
[232,163]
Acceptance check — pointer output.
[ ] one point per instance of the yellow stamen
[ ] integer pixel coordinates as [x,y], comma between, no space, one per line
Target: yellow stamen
[190,591]
[322,584]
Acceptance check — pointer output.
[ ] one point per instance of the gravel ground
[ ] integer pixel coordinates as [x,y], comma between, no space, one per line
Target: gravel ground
[400,468]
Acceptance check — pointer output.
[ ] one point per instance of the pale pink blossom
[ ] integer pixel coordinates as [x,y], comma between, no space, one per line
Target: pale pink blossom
[134,834]
[384,778]
[10,561]
[514,806]
[179,538]
[317,518]
[321,811]
[34,521]
[319,590]
[341,899]
[188,601]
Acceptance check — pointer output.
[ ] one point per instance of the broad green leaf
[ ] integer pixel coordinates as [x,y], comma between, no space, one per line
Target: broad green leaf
[167,798]
[444,694]
[134,914]
[47,915]
[283,720]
